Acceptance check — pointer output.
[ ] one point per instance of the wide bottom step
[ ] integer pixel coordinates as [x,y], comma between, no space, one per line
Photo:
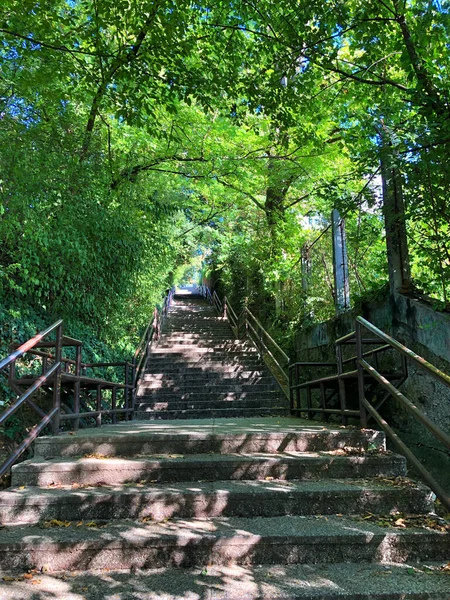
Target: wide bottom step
[296,582]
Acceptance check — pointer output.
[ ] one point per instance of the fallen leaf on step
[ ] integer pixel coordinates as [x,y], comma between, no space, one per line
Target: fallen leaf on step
[36,581]
[56,523]
[400,523]
[8,578]
[27,576]
[446,567]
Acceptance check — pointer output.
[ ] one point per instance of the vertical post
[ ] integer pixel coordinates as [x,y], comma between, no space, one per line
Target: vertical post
[291,392]
[57,380]
[341,383]
[98,418]
[76,388]
[113,404]
[340,263]
[225,316]
[127,393]
[297,390]
[44,365]
[360,369]
[133,379]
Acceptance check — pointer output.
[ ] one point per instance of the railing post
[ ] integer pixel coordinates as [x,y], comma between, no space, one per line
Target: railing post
[113,404]
[76,388]
[341,383]
[360,369]
[57,380]
[98,418]
[127,393]
[291,392]
[225,308]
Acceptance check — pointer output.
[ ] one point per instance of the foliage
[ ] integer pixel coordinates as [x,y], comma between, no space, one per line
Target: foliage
[139,136]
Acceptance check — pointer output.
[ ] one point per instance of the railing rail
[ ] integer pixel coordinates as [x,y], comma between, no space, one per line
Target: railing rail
[151,334]
[56,372]
[366,407]
[363,373]
[246,325]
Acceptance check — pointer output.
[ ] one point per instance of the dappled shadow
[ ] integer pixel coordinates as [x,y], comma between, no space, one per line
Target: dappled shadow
[236,583]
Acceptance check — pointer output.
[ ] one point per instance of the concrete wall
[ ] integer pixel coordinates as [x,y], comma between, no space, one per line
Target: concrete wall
[422,329]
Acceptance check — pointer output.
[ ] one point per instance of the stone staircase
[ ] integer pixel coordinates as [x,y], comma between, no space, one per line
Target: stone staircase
[199,370]
[237,508]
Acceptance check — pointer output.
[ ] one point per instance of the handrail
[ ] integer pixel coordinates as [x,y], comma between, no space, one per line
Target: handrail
[365,406]
[243,323]
[60,371]
[151,333]
[27,346]
[267,335]
[418,360]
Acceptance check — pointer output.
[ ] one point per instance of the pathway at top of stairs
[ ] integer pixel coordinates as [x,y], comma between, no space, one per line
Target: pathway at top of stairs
[237,509]
[198,369]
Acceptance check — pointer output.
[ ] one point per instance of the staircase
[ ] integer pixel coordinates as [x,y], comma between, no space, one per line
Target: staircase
[245,507]
[199,370]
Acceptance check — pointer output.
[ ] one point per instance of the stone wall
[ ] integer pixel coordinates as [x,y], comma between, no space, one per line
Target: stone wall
[420,328]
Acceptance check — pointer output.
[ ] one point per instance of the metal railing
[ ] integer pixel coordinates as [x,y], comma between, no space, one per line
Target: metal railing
[246,325]
[151,335]
[366,407]
[364,374]
[58,371]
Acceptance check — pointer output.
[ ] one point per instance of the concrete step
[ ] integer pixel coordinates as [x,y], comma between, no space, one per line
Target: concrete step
[211,377]
[145,405]
[208,386]
[338,581]
[212,499]
[233,370]
[245,363]
[207,395]
[213,413]
[205,467]
[210,381]
[221,541]
[254,435]
[217,350]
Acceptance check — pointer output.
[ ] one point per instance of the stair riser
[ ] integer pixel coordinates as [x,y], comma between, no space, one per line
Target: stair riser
[148,405]
[211,385]
[196,370]
[226,413]
[206,442]
[139,505]
[95,472]
[212,396]
[237,549]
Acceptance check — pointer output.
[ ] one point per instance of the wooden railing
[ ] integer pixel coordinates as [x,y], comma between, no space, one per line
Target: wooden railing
[246,325]
[58,372]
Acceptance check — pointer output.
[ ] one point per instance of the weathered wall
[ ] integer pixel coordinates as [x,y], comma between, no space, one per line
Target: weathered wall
[422,329]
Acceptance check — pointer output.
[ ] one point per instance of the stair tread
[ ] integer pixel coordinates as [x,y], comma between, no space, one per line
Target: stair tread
[308,529]
[341,581]
[268,487]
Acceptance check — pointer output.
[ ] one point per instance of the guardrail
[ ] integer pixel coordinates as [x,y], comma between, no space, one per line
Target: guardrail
[58,371]
[366,407]
[151,334]
[246,325]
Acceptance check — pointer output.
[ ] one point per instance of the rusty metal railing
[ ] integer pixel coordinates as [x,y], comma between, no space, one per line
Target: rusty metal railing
[246,325]
[58,372]
[366,407]
[54,372]
[151,335]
